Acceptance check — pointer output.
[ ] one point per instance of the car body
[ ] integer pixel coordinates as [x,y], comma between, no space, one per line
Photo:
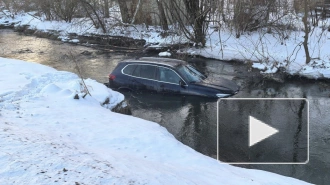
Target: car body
[168,76]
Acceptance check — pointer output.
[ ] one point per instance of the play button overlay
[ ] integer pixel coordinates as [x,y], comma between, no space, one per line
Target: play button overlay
[263,131]
[259,131]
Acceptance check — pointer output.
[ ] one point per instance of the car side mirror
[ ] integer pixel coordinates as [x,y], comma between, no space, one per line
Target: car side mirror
[182,83]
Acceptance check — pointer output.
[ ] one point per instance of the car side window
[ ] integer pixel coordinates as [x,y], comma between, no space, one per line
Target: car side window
[137,70]
[145,71]
[129,69]
[168,75]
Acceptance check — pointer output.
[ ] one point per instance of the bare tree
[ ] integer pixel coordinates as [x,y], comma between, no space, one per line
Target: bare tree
[162,15]
[46,8]
[137,8]
[93,13]
[106,9]
[126,17]
[191,15]
[306,31]
[250,15]
[197,12]
[65,9]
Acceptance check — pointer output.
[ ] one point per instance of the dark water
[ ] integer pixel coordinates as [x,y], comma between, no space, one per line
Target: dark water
[193,120]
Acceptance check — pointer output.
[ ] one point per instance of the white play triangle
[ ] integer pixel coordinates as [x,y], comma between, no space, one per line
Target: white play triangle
[259,131]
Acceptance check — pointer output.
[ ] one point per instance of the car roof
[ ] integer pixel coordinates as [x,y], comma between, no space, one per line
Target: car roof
[157,60]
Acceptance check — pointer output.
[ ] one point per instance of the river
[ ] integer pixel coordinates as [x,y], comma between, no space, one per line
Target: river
[193,121]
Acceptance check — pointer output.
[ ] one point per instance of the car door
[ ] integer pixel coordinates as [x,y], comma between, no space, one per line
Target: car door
[144,78]
[168,81]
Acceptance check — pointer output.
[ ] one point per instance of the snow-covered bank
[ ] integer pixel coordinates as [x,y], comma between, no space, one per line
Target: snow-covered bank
[48,137]
[269,54]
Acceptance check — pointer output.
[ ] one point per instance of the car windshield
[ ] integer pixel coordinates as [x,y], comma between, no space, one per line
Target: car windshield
[190,73]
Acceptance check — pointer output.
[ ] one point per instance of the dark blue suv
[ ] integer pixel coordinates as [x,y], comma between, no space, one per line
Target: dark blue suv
[168,76]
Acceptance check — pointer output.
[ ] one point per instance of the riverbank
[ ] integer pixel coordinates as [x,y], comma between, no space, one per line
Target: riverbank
[261,51]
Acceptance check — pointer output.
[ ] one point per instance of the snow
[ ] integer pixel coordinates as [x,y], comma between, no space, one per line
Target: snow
[259,66]
[322,72]
[74,40]
[37,80]
[164,54]
[48,137]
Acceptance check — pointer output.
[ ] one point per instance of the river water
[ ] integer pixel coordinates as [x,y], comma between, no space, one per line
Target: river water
[193,121]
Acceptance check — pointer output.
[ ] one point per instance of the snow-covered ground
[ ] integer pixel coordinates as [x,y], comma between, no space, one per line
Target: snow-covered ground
[268,53]
[48,137]
[267,50]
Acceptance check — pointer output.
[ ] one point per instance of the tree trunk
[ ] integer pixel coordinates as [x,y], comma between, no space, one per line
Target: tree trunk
[163,19]
[126,18]
[137,8]
[197,15]
[306,30]
[106,9]
[222,10]
[199,30]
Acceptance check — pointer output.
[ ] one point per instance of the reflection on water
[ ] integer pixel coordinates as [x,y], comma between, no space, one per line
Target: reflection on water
[289,145]
[93,64]
[192,120]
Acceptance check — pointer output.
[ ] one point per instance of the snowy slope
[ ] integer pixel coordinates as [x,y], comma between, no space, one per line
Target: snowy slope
[47,137]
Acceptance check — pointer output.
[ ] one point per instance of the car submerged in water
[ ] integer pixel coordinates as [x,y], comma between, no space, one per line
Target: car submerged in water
[168,76]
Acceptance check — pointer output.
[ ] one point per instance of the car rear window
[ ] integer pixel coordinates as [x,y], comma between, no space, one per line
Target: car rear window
[129,69]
